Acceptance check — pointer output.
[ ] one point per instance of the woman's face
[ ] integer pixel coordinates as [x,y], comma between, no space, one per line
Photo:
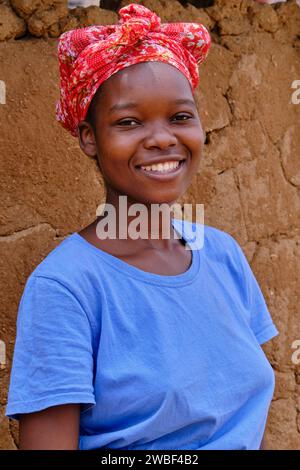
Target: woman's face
[145,114]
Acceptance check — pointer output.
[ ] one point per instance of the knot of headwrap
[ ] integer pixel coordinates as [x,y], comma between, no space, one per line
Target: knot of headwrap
[133,27]
[89,56]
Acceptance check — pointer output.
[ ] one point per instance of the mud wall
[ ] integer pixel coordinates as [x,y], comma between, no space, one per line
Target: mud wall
[248,180]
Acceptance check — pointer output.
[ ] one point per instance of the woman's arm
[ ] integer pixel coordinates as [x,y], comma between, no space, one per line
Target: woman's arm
[54,428]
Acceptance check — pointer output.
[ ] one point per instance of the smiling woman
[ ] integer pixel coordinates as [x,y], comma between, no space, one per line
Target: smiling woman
[140,343]
[145,132]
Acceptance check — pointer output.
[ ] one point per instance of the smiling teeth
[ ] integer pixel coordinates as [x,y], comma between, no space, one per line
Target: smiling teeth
[161,166]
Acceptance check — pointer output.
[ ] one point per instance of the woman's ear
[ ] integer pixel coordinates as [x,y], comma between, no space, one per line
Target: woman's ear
[87,140]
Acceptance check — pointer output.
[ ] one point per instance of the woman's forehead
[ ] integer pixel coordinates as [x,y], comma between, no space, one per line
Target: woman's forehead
[147,79]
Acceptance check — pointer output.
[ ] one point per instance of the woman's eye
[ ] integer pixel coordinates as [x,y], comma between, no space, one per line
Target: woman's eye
[127,122]
[132,122]
[183,117]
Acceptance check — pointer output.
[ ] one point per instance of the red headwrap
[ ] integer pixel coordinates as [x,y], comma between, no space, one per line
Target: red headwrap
[89,56]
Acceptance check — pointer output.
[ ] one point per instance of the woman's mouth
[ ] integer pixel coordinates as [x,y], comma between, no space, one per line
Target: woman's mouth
[162,171]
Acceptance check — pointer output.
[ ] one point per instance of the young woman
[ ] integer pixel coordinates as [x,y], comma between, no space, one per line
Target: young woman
[140,343]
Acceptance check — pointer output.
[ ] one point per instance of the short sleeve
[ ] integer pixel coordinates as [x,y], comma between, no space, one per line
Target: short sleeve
[53,354]
[261,321]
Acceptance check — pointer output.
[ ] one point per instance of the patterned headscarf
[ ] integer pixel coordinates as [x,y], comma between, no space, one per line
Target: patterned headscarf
[89,56]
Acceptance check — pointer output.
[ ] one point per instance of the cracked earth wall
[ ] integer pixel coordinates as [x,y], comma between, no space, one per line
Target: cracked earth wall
[248,180]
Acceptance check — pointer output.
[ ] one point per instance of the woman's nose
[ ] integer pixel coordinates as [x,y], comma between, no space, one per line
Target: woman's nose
[160,137]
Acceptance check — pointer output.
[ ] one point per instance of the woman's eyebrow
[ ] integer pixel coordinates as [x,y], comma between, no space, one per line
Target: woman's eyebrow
[130,105]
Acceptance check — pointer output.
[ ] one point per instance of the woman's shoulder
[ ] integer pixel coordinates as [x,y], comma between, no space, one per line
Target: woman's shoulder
[219,246]
[223,239]
[67,262]
[208,237]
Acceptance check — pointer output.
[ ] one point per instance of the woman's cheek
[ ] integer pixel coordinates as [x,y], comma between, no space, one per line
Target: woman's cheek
[124,141]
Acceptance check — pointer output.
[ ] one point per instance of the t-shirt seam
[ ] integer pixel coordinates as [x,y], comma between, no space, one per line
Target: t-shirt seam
[239,252]
[35,276]
[158,282]
[53,397]
[270,324]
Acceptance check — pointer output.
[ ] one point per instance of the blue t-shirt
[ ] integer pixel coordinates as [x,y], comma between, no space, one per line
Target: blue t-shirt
[156,362]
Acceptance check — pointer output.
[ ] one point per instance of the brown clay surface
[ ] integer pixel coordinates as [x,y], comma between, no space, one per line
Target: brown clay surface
[249,178]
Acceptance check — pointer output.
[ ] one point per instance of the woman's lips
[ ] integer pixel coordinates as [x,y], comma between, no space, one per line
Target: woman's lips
[163,175]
